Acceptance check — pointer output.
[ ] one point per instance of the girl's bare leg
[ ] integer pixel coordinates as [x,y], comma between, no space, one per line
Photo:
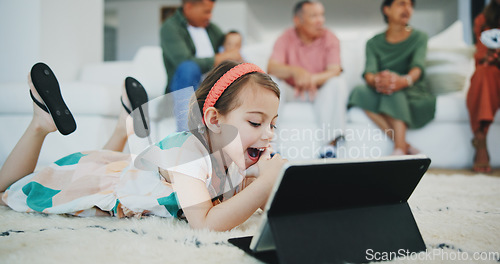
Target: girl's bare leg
[124,127]
[118,139]
[23,158]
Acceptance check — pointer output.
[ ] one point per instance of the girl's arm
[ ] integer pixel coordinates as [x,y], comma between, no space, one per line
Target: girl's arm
[196,203]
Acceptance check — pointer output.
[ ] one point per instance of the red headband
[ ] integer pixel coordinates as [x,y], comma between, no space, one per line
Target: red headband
[227,79]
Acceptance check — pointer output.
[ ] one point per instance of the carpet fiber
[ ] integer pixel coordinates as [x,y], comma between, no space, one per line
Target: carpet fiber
[458,216]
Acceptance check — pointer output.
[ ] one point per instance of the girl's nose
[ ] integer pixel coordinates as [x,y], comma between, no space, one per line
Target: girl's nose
[267,134]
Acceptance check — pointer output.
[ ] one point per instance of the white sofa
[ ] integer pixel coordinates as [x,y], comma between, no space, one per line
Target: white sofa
[94,101]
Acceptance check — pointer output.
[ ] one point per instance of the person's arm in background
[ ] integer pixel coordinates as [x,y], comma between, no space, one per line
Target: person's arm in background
[227,55]
[416,68]
[371,65]
[217,38]
[331,71]
[332,56]
[278,67]
[388,82]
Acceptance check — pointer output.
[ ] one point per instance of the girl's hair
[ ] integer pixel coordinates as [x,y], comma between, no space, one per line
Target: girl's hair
[229,99]
[389,3]
[492,14]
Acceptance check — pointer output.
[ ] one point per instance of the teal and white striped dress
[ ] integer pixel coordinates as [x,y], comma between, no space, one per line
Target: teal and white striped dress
[114,183]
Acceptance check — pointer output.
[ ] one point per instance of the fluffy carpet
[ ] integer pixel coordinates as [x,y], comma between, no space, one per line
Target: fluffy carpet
[458,216]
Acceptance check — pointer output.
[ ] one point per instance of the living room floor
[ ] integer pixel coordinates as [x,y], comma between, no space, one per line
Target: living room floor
[495,172]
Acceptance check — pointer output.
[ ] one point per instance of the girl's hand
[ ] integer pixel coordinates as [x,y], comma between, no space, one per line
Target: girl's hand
[270,168]
[267,153]
[253,171]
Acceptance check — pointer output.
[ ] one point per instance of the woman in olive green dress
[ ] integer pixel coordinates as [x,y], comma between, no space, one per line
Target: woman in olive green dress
[396,96]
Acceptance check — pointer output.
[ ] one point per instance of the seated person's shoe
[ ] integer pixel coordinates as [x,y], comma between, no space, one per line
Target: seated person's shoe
[412,150]
[398,152]
[330,150]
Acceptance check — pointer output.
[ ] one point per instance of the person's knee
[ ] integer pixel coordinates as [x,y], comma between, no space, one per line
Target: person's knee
[338,81]
[337,87]
[189,68]
[188,73]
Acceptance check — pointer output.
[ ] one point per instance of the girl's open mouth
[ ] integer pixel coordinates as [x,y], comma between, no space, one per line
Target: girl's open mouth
[254,153]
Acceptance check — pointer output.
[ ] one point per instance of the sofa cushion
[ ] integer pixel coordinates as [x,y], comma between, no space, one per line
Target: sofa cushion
[258,54]
[81,98]
[297,112]
[450,61]
[449,108]
[149,70]
[449,70]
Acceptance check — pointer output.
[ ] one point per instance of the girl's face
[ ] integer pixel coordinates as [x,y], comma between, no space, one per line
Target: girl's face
[399,12]
[255,120]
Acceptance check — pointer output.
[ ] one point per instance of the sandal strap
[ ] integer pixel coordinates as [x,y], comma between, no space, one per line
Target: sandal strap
[479,143]
[124,106]
[42,106]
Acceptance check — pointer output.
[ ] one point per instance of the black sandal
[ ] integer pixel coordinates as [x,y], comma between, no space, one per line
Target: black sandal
[47,86]
[138,98]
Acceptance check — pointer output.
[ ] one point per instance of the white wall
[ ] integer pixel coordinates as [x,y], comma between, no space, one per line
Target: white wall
[19,46]
[72,35]
[65,34]
[138,24]
[464,16]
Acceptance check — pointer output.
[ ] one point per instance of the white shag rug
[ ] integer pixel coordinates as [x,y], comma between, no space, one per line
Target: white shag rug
[458,216]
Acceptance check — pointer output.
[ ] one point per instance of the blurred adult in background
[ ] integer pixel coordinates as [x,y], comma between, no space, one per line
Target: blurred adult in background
[395,96]
[483,98]
[306,60]
[190,43]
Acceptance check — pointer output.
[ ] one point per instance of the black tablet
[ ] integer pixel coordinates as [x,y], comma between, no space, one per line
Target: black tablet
[334,210]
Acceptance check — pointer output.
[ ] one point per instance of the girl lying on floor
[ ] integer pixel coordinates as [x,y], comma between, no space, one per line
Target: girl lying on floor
[199,175]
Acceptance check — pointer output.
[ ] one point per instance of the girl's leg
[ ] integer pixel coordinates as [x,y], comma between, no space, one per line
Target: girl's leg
[23,158]
[123,129]
[118,139]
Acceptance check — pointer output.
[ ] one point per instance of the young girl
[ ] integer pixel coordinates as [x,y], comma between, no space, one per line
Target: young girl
[197,175]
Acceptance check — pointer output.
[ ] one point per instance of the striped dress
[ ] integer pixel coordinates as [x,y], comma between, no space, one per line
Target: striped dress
[106,182]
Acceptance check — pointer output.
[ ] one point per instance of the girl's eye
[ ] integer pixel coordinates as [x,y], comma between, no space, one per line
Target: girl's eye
[254,124]
[273,126]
